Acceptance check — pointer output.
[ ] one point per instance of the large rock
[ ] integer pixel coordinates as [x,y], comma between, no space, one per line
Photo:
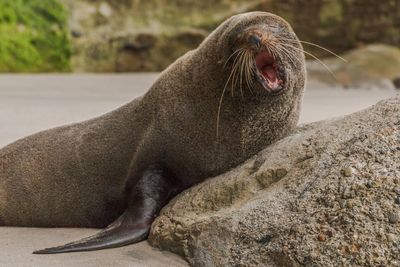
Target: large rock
[327,195]
[371,66]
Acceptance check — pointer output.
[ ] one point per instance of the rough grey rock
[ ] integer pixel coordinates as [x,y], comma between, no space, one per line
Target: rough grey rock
[324,196]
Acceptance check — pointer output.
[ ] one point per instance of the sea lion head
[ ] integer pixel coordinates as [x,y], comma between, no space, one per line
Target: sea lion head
[260,51]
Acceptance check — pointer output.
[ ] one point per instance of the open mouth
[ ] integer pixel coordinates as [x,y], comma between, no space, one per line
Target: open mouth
[269,72]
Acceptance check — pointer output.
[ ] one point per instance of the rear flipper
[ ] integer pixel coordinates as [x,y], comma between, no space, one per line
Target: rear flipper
[150,194]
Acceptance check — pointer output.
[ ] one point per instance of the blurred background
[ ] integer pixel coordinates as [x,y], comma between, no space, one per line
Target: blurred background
[147,35]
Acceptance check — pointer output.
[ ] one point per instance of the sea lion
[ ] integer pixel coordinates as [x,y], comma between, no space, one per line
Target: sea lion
[212,109]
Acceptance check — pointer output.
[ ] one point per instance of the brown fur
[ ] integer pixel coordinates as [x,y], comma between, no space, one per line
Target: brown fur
[77,175]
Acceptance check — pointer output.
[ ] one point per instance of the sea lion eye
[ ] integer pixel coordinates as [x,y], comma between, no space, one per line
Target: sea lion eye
[255,40]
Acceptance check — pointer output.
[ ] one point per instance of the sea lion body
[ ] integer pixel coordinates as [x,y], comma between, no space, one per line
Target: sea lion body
[131,161]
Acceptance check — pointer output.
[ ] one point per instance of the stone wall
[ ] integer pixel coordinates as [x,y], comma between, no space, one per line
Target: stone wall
[130,35]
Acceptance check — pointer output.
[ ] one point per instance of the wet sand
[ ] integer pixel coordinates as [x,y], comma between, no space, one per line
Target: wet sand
[30,103]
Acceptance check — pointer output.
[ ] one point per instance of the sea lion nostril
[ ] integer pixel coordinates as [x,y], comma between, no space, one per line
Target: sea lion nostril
[255,40]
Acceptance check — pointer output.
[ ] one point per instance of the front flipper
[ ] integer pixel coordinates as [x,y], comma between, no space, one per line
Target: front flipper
[150,194]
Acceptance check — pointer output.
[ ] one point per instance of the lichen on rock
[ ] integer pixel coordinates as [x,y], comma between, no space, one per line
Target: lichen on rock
[327,195]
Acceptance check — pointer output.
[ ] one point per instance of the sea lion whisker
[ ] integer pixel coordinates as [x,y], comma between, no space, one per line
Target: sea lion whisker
[316,58]
[320,47]
[245,65]
[251,71]
[278,51]
[239,76]
[269,47]
[325,49]
[235,52]
[231,75]
[248,68]
[220,104]
[236,72]
[288,53]
[248,71]
[234,76]
[285,38]
[274,51]
[242,69]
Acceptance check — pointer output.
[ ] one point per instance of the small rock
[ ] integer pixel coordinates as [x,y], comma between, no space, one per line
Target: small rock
[397,190]
[397,199]
[330,232]
[342,203]
[348,194]
[179,228]
[332,219]
[347,172]
[322,237]
[280,173]
[393,217]
[306,143]
[256,164]
[368,184]
[265,178]
[350,204]
[309,154]
[391,237]
[265,240]
[353,248]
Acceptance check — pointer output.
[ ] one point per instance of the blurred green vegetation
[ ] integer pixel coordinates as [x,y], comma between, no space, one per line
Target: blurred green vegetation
[148,35]
[34,36]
